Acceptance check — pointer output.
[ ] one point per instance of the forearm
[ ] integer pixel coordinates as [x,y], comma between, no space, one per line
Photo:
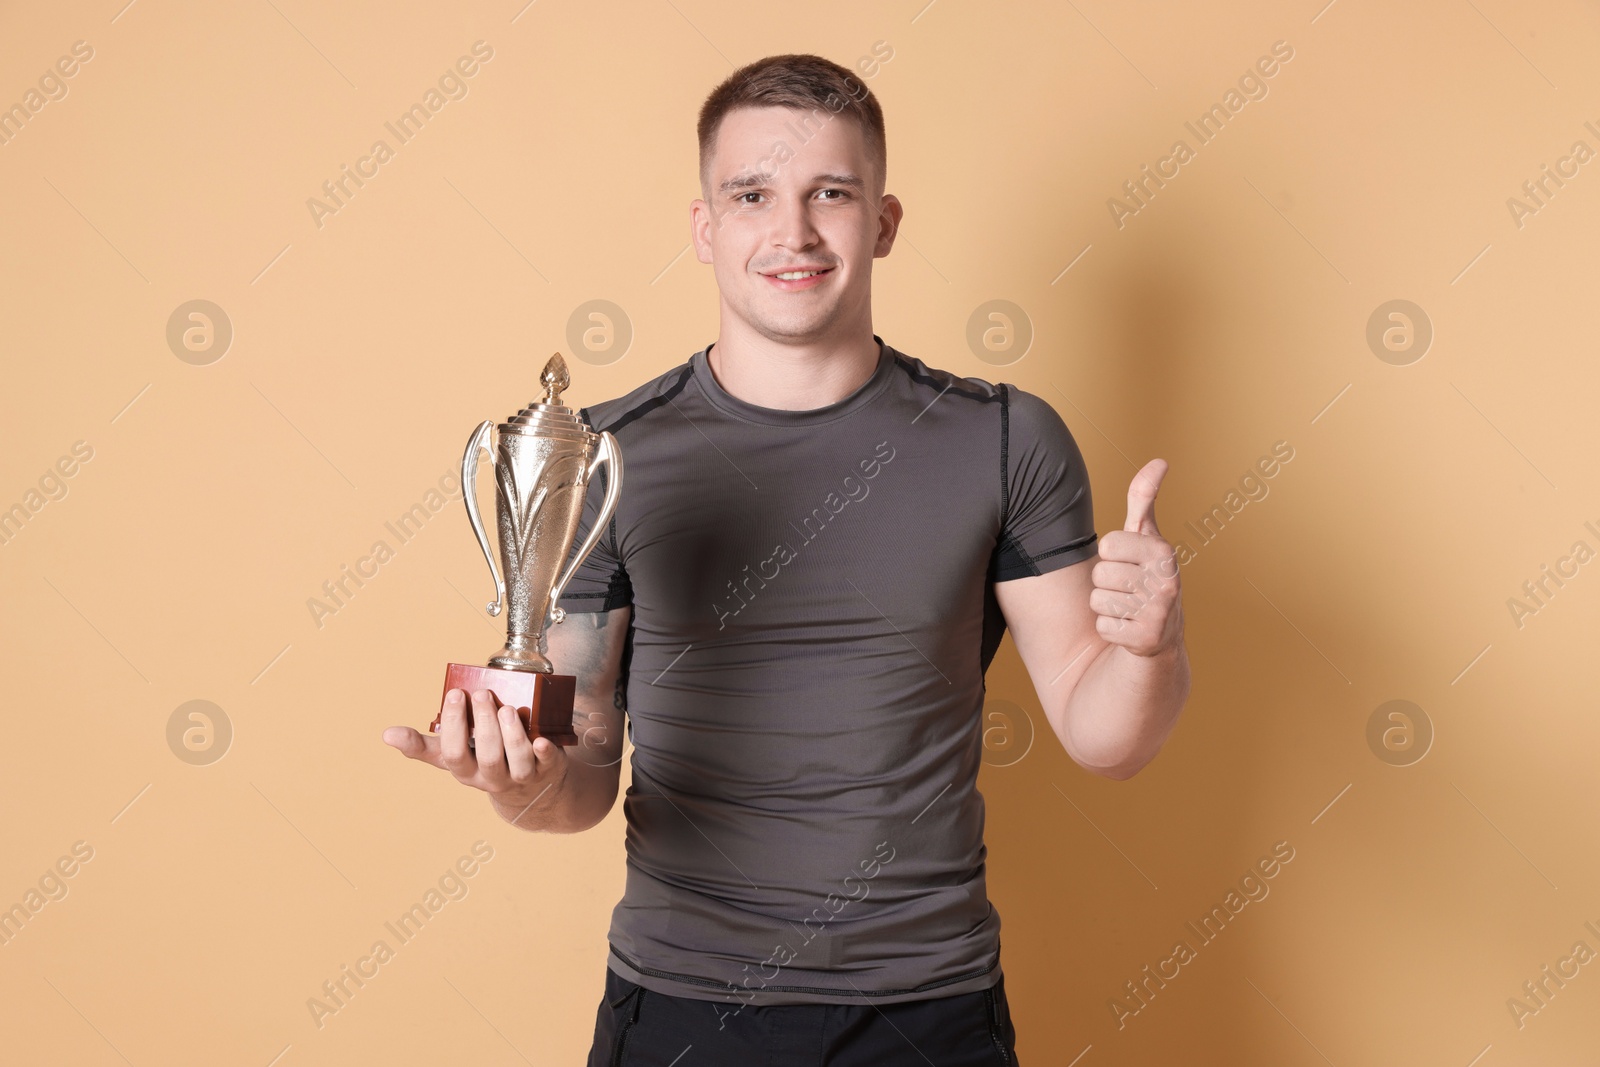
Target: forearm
[589,646]
[1123,709]
[580,799]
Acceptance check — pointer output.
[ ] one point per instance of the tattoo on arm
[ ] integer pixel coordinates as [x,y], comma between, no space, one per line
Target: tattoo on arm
[586,650]
[584,647]
[585,654]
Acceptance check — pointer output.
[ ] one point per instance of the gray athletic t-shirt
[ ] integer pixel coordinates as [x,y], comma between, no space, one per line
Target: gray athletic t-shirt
[813,613]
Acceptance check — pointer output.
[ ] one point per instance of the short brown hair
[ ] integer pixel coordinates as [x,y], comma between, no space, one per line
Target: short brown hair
[797,80]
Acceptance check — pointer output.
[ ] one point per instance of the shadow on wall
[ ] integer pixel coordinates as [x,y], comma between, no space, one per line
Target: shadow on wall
[1095,879]
[1299,628]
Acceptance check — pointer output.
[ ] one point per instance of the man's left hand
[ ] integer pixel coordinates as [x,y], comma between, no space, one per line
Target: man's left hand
[1136,596]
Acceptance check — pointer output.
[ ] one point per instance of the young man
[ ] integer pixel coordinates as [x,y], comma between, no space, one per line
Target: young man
[820,543]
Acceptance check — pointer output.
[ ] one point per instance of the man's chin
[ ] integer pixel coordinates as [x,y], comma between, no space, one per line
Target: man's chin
[816,324]
[794,333]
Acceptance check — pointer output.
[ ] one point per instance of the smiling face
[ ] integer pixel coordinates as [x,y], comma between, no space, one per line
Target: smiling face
[793,216]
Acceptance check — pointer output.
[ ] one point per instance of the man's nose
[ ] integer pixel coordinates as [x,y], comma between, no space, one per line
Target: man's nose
[794,226]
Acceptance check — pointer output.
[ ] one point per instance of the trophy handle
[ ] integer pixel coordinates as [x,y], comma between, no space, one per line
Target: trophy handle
[609,454]
[469,482]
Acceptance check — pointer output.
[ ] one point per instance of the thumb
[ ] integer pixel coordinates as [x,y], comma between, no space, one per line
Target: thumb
[412,744]
[1142,497]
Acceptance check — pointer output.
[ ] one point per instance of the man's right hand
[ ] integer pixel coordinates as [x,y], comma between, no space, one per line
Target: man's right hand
[533,783]
[515,770]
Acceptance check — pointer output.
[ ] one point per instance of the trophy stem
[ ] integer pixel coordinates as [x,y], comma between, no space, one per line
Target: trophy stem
[521,653]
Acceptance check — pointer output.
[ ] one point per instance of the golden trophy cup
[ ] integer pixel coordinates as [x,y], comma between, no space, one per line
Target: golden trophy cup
[544,458]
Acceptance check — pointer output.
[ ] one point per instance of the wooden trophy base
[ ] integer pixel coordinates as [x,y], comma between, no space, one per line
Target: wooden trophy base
[543,701]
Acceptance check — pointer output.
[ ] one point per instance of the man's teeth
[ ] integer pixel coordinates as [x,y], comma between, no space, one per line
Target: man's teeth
[796,275]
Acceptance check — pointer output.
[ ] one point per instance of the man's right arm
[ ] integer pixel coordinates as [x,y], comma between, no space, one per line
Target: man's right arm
[535,784]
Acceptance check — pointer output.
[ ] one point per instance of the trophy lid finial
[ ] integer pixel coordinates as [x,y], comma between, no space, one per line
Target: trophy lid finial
[554,379]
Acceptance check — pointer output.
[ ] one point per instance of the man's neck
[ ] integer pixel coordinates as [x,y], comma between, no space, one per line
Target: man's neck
[792,377]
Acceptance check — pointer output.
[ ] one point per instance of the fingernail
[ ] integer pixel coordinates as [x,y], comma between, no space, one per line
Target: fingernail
[454,697]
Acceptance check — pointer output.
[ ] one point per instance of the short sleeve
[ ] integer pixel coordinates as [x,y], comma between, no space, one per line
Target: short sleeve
[601,582]
[1047,514]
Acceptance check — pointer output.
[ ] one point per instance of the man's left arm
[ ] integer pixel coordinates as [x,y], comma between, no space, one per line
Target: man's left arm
[1102,640]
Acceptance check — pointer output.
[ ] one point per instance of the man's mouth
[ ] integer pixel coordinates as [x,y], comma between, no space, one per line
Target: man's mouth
[799,279]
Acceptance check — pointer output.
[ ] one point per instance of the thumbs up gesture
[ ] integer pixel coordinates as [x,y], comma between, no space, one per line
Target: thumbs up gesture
[1135,595]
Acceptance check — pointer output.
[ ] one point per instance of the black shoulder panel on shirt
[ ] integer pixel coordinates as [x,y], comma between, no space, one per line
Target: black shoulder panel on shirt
[1005,449]
[644,407]
[927,379]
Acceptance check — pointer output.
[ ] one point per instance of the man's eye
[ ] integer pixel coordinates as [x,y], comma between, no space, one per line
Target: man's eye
[742,199]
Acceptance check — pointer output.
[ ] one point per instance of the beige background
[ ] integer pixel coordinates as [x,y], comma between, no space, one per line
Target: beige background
[1228,314]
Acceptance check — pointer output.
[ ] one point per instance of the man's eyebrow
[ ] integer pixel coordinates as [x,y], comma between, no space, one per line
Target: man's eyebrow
[842,179]
[754,179]
[747,180]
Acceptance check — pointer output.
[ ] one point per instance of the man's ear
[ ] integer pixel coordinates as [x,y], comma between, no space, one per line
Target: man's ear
[700,223]
[890,212]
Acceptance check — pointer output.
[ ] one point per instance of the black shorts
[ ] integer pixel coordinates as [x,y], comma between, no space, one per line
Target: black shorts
[637,1027]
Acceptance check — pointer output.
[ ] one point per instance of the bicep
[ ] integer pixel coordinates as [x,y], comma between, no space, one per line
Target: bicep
[1053,627]
[589,645]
